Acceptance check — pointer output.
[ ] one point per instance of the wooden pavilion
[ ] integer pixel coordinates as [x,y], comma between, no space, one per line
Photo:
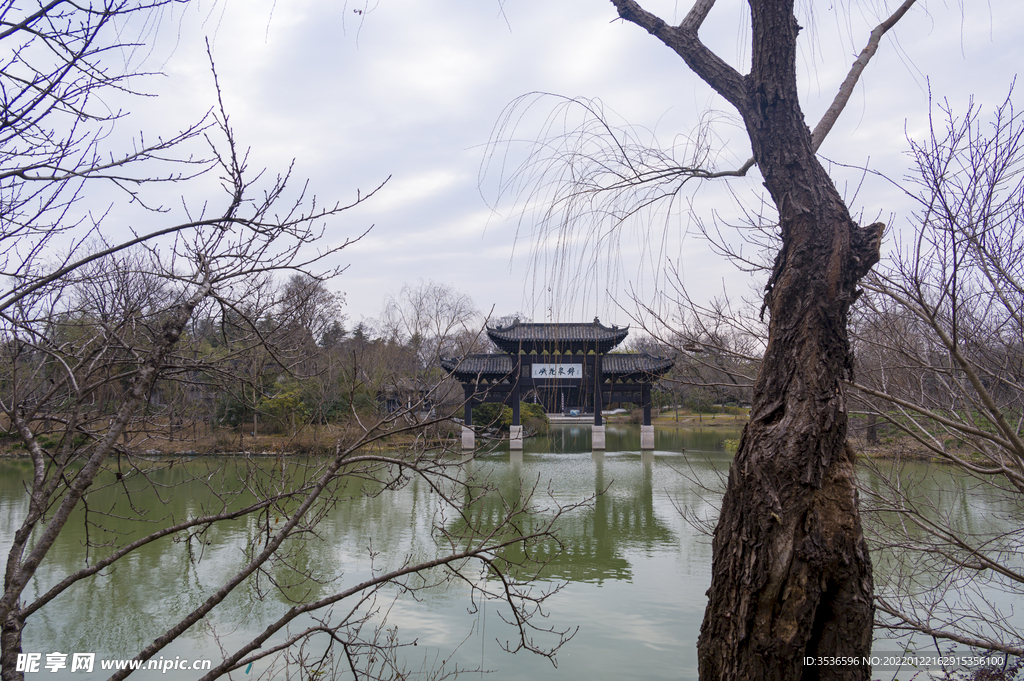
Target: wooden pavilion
[565,367]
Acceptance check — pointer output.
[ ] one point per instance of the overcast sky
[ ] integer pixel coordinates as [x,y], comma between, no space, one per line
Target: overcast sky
[357,93]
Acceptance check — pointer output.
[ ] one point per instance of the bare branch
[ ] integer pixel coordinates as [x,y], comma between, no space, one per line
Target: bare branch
[845,91]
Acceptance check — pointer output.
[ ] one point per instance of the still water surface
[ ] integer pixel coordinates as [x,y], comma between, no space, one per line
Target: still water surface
[634,570]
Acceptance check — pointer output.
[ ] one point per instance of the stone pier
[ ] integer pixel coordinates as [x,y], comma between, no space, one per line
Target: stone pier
[515,437]
[646,437]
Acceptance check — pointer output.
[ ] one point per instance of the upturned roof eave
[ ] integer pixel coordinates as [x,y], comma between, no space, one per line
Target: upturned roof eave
[571,337]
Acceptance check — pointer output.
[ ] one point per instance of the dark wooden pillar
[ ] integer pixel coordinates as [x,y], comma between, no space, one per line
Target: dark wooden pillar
[515,390]
[598,380]
[468,407]
[646,430]
[515,433]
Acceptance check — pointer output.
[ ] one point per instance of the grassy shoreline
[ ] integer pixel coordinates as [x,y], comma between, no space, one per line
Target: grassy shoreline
[322,440]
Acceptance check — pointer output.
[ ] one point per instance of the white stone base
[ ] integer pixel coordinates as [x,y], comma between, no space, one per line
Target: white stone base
[515,437]
[646,437]
[468,438]
[597,437]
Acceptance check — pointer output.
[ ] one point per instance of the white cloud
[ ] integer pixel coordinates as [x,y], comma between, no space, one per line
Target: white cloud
[413,90]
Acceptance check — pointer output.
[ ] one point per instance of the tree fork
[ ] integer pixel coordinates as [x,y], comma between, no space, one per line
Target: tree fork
[791,575]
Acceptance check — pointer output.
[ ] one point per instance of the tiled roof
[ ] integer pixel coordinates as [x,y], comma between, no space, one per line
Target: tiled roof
[492,366]
[571,336]
[634,365]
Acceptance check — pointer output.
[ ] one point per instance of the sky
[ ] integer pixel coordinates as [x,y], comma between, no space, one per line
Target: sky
[356,93]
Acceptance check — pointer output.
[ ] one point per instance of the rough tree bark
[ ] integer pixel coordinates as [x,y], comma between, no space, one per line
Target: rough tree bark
[791,574]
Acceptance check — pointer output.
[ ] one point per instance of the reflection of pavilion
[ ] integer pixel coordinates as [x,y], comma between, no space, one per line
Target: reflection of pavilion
[593,542]
[565,367]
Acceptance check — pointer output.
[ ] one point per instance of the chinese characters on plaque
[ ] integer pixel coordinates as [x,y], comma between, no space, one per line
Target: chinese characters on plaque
[557,371]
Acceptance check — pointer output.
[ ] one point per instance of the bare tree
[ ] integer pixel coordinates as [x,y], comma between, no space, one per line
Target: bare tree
[55,124]
[937,340]
[940,342]
[82,367]
[717,346]
[304,316]
[791,574]
[428,316]
[87,340]
[433,320]
[310,308]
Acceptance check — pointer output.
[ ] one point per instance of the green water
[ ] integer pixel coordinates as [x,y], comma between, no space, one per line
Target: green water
[633,571]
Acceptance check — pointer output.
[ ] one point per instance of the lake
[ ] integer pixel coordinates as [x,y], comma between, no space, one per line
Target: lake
[633,571]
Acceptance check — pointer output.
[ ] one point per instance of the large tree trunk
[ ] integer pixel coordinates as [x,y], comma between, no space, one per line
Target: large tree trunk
[791,575]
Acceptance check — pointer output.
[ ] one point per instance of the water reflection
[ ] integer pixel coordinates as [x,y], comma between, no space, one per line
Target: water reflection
[635,570]
[621,520]
[594,541]
[631,563]
[626,438]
